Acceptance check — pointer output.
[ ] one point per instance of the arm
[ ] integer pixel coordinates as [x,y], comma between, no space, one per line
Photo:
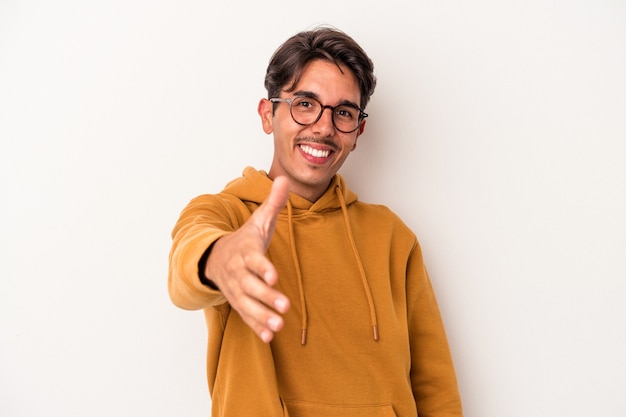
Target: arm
[235,262]
[432,370]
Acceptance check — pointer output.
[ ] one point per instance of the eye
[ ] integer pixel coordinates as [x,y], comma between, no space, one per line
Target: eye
[346,113]
[305,104]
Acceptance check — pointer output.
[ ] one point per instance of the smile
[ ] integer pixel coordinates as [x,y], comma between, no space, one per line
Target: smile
[317,153]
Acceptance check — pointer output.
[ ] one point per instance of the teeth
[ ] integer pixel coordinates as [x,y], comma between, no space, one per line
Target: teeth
[315,152]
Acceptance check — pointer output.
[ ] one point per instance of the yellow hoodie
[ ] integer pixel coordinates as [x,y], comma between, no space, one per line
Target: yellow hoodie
[363,337]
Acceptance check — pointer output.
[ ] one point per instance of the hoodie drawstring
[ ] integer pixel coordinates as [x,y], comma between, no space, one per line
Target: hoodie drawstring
[294,255]
[355,252]
[366,287]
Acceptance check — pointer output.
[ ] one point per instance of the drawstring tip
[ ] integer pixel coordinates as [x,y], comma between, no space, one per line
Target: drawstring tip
[375,328]
[303,340]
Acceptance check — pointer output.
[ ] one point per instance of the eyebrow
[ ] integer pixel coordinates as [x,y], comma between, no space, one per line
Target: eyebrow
[311,94]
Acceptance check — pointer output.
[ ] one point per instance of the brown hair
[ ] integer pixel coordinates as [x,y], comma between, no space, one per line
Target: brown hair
[324,43]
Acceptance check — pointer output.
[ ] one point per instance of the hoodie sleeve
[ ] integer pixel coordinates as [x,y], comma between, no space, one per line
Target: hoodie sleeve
[432,371]
[205,219]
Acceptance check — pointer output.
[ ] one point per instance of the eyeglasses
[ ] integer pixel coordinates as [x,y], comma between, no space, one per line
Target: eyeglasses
[306,111]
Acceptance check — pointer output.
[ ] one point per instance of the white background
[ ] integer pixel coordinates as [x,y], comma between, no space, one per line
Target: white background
[497,131]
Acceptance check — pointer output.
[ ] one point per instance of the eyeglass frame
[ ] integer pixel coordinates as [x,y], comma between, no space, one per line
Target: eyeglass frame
[362,114]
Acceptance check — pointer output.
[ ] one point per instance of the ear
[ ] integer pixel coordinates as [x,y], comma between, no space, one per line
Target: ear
[266,111]
[359,132]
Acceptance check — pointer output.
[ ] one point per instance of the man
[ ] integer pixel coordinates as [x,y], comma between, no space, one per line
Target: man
[317,304]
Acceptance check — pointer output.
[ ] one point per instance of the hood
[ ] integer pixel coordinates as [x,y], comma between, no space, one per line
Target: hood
[254,186]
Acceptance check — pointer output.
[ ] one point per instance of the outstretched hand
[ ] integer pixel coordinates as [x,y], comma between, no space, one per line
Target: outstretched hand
[238,266]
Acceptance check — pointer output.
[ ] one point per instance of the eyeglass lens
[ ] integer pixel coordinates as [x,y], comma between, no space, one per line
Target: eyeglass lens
[307,110]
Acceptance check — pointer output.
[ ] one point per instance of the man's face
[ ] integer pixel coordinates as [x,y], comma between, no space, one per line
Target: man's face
[309,156]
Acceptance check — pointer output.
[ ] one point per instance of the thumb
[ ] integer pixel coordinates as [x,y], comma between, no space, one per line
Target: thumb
[278,195]
[267,213]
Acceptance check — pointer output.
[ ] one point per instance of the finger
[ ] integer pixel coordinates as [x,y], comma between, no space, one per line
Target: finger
[259,265]
[258,304]
[265,216]
[279,194]
[270,297]
[248,284]
[263,321]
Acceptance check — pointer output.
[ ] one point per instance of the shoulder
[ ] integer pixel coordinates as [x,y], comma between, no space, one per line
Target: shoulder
[222,206]
[214,201]
[379,215]
[377,210]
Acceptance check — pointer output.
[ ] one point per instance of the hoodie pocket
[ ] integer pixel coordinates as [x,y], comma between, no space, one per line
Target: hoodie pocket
[310,409]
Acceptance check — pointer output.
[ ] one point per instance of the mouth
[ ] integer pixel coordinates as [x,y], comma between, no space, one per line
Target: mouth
[315,153]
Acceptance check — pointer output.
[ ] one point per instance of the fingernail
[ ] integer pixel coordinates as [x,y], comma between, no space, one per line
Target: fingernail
[280,304]
[266,336]
[274,323]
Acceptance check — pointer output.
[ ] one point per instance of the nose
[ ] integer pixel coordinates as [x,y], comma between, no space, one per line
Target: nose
[325,125]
